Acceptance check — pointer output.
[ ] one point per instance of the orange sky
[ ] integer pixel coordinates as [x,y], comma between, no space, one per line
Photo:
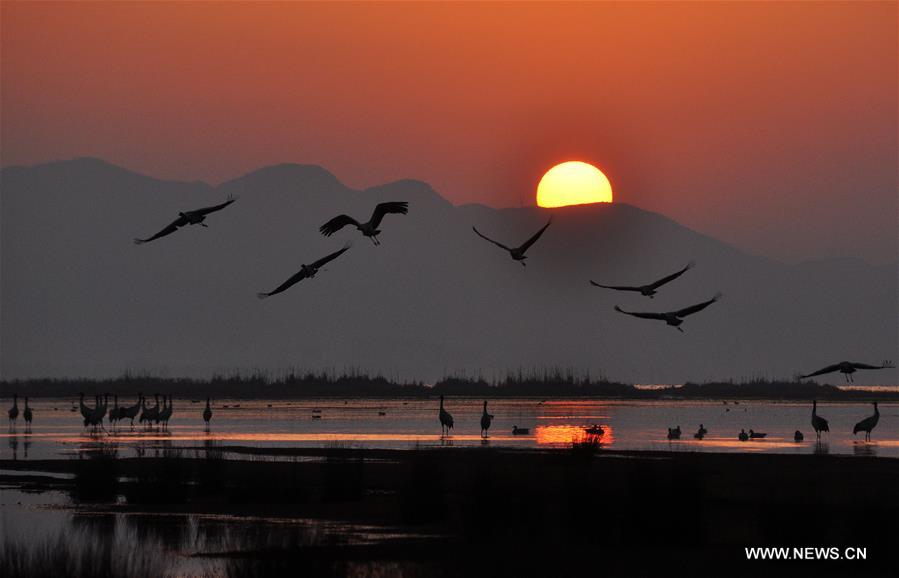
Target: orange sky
[772,126]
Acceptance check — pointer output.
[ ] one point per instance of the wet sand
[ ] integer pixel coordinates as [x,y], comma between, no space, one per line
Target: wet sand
[483,511]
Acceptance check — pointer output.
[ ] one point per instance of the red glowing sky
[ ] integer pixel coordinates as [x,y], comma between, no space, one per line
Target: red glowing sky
[772,126]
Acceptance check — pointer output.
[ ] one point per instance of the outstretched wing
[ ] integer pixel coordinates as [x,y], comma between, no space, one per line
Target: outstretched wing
[170,228]
[491,240]
[536,236]
[397,207]
[615,287]
[886,365]
[672,277]
[828,369]
[286,285]
[697,308]
[640,315]
[214,208]
[336,224]
[330,257]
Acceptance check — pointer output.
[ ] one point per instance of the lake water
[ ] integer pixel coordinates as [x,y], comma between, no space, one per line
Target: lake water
[407,424]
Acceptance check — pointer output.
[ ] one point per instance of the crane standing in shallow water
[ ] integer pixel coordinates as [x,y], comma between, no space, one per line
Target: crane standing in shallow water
[446,419]
[486,418]
[819,424]
[13,412]
[207,414]
[866,425]
[27,415]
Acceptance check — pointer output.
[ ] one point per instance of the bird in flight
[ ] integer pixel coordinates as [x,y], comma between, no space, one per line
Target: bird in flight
[369,229]
[517,253]
[672,318]
[847,368]
[187,218]
[650,289]
[305,272]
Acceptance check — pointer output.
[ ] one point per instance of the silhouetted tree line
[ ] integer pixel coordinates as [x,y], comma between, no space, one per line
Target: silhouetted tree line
[533,383]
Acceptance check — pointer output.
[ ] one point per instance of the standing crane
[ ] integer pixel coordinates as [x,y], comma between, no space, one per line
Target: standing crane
[818,423]
[866,425]
[486,418]
[446,419]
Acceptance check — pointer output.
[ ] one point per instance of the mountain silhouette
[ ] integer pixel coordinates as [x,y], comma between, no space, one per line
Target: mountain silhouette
[79,299]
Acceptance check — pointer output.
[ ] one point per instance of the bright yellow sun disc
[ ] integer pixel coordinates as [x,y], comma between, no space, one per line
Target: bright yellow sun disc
[573,183]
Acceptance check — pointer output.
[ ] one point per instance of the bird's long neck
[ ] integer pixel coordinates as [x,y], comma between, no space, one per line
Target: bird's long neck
[207,403]
[876,411]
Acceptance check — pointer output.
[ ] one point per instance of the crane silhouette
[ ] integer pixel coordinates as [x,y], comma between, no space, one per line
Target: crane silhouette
[446,419]
[650,289]
[819,424]
[486,418]
[131,412]
[195,217]
[847,368]
[672,318]
[866,425]
[207,414]
[305,272]
[369,229]
[13,411]
[517,253]
[28,415]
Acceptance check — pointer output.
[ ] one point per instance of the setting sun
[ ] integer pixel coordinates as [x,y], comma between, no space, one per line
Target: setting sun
[573,183]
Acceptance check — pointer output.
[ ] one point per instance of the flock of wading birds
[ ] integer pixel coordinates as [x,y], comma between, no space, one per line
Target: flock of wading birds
[159,415]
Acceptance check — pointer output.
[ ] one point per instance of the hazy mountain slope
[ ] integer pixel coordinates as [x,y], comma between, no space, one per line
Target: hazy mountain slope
[78,297]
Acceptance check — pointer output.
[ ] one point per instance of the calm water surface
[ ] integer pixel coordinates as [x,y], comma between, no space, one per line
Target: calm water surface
[406,424]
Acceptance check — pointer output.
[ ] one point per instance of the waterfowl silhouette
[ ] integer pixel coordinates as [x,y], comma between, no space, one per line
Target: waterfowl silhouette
[486,418]
[819,424]
[674,433]
[517,253]
[701,432]
[798,437]
[446,419]
[369,229]
[672,318]
[866,425]
[305,272]
[650,289]
[195,217]
[847,368]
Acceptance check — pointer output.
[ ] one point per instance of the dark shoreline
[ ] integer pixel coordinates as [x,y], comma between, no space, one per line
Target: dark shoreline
[552,511]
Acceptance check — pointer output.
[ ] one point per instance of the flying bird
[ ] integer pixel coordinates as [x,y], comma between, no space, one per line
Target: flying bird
[517,253]
[866,425]
[847,368]
[672,318]
[650,289]
[306,271]
[187,218]
[369,229]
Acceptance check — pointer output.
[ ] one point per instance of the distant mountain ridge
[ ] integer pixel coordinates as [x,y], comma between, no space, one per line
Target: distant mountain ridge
[79,299]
